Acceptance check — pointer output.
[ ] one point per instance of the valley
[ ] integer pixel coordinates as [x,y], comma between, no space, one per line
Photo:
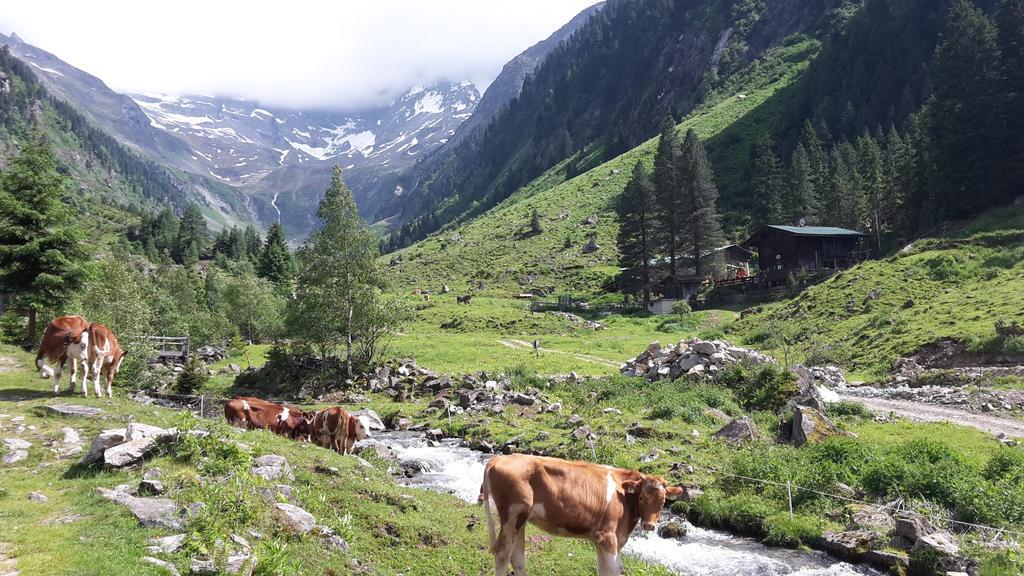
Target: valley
[763,255]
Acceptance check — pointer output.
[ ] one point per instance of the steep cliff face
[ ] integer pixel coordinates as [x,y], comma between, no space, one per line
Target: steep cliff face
[509,83]
[606,89]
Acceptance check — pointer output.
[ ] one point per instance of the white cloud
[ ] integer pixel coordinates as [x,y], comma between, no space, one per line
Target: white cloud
[344,53]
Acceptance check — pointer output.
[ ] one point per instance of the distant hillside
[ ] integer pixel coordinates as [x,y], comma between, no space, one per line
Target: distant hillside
[602,92]
[100,166]
[495,249]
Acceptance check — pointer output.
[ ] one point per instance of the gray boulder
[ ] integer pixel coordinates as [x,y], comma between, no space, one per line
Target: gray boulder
[129,453]
[166,545]
[74,411]
[810,425]
[739,430]
[167,566]
[106,439]
[272,467]
[295,519]
[672,529]
[941,543]
[912,527]
[371,419]
[151,512]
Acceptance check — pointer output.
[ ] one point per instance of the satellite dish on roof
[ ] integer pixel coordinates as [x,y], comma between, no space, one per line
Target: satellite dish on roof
[802,222]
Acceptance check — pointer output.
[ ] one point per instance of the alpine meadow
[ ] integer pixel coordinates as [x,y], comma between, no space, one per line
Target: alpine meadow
[625,287]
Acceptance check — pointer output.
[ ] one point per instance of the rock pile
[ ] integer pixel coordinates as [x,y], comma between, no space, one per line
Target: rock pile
[210,354]
[693,357]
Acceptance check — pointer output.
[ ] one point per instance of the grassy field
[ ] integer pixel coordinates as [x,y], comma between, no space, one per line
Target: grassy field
[495,334]
[390,529]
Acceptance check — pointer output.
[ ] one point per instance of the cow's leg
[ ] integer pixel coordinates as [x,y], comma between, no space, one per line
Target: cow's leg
[609,561]
[519,552]
[511,523]
[110,381]
[74,371]
[97,369]
[85,371]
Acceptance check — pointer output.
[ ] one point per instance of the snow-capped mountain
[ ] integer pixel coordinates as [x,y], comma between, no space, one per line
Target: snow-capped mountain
[240,141]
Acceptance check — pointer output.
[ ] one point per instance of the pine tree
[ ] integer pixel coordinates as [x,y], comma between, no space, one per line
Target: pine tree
[871,178]
[703,226]
[817,156]
[636,232]
[336,276]
[43,260]
[965,129]
[895,176]
[236,244]
[253,243]
[193,237]
[535,227]
[1010,23]
[769,185]
[670,200]
[276,262]
[804,194]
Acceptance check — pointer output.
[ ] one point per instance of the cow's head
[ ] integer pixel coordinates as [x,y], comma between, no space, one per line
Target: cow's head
[304,429]
[360,429]
[115,366]
[651,493]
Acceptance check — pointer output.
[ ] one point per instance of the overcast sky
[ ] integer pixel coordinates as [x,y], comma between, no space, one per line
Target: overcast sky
[343,53]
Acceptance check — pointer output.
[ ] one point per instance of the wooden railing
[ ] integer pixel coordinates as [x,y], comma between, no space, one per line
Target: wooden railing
[170,346]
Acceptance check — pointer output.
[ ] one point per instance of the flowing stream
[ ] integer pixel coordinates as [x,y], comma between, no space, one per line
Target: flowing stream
[448,467]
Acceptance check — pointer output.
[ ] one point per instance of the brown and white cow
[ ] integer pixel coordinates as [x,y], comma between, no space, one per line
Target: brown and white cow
[337,429]
[105,357]
[65,338]
[576,499]
[251,412]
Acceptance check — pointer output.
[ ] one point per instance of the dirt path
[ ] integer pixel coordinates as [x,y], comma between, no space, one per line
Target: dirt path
[932,413]
[524,345]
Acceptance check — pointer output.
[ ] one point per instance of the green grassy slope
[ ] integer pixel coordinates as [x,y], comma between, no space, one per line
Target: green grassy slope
[390,529]
[953,285]
[495,248]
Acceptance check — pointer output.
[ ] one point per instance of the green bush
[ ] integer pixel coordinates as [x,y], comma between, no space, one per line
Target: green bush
[781,529]
[764,387]
[192,378]
[1013,345]
[849,408]
[926,468]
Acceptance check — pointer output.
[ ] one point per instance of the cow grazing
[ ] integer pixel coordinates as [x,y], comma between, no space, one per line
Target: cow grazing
[463,299]
[576,499]
[105,357]
[65,338]
[337,429]
[250,412]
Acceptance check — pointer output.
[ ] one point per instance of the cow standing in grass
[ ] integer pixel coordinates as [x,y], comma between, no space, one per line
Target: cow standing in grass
[65,338]
[576,499]
[105,357]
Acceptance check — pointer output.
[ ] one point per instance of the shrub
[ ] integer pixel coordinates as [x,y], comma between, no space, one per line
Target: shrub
[926,468]
[1013,345]
[849,408]
[765,387]
[681,309]
[192,377]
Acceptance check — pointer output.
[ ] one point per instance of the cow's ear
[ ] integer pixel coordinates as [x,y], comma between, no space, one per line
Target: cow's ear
[631,486]
[673,493]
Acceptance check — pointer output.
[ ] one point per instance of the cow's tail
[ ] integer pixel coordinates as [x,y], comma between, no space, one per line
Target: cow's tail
[485,499]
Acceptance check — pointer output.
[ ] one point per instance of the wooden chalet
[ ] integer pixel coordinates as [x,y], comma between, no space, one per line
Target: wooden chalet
[783,250]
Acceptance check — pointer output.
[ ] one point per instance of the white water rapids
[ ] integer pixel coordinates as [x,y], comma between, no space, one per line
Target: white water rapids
[448,467]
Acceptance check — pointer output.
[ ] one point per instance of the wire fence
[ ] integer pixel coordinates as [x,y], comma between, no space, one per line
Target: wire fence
[211,406]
